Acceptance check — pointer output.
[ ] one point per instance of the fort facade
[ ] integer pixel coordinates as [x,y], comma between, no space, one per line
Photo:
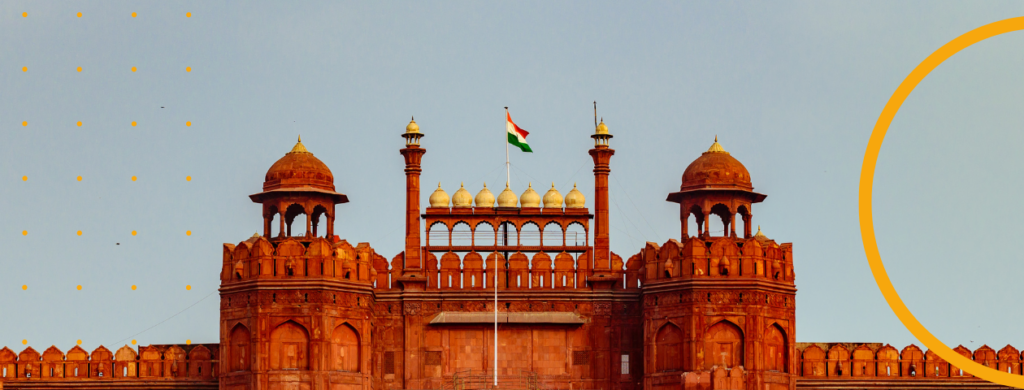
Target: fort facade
[303,309]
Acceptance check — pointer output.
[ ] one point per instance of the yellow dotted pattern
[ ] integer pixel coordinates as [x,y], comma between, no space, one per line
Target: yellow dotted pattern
[188,178]
[134,178]
[134,14]
[133,342]
[188,68]
[79,122]
[78,178]
[188,232]
[79,342]
[24,287]
[134,69]
[24,342]
[188,287]
[188,124]
[134,232]
[24,178]
[79,233]
[188,342]
[24,14]
[24,232]
[134,287]
[24,123]
[79,287]
[79,68]
[24,69]
[79,14]
[188,14]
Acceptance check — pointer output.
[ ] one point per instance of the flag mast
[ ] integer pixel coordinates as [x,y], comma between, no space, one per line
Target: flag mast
[507,180]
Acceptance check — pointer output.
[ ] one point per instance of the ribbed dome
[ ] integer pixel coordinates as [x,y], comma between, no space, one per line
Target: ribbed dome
[484,198]
[507,198]
[575,199]
[439,198]
[462,198]
[299,169]
[552,198]
[529,198]
[716,168]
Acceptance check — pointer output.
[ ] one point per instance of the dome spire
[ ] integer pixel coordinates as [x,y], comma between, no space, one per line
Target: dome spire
[299,148]
[716,147]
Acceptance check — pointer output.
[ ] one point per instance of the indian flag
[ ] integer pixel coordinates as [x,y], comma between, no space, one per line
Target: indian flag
[516,135]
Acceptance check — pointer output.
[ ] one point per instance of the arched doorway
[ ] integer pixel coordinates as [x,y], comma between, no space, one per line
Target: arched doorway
[723,346]
[668,344]
[289,347]
[775,349]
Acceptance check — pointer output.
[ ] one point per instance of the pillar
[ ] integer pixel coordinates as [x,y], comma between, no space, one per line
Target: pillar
[413,155]
[602,242]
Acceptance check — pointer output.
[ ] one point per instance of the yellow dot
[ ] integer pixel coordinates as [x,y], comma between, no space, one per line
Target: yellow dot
[188,342]
[188,68]
[79,233]
[188,232]
[134,123]
[79,69]
[133,69]
[24,232]
[188,14]
[133,287]
[79,14]
[134,232]
[23,342]
[79,342]
[24,69]
[188,287]
[24,123]
[188,178]
[24,14]
[133,342]
[79,287]
[134,14]
[79,178]
[79,123]
[24,178]
[24,287]
[188,124]
[134,178]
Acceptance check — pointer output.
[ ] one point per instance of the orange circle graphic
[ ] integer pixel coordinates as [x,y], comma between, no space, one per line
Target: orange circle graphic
[867,177]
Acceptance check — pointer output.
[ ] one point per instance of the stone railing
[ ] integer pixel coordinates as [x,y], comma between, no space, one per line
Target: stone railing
[189,362]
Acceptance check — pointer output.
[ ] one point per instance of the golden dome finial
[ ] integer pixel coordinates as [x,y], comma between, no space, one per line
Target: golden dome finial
[575,199]
[602,128]
[529,198]
[255,235]
[484,198]
[552,198]
[716,147]
[299,148]
[507,198]
[760,236]
[412,127]
[439,198]
[462,198]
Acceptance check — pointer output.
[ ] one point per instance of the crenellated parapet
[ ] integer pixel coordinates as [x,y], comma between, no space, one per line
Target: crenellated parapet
[195,362]
[261,259]
[717,257]
[839,361]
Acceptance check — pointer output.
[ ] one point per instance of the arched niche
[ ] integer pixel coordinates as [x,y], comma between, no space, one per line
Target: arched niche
[289,347]
[723,345]
[238,348]
[668,346]
[345,348]
[775,348]
[483,234]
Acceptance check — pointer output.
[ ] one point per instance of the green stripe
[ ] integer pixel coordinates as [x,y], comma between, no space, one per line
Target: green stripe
[512,139]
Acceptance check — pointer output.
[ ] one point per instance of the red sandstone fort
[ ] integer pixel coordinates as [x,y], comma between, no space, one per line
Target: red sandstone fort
[304,309]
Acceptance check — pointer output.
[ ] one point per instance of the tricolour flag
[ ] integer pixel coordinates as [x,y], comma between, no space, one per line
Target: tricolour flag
[516,136]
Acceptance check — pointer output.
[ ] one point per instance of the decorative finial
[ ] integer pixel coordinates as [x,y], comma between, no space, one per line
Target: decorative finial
[716,137]
[300,137]
[485,185]
[299,148]
[438,184]
[256,235]
[552,184]
[530,185]
[462,185]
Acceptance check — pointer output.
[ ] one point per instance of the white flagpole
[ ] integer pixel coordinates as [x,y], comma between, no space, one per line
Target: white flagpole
[507,177]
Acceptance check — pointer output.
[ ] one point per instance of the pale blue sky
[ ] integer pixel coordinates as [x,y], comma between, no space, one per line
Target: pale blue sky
[791,89]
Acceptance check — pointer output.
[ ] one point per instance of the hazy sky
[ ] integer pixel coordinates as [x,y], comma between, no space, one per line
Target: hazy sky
[791,89]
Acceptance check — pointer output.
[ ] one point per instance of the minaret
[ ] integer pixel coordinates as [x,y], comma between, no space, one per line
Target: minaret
[602,154]
[413,153]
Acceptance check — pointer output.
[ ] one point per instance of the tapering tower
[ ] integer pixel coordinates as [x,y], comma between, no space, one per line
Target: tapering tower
[719,309]
[602,155]
[296,304]
[413,153]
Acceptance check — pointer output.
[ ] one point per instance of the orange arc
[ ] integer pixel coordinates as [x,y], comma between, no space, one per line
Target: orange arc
[867,176]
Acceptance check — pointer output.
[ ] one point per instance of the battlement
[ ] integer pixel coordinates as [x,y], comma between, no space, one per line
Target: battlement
[173,362]
[866,360]
[716,257]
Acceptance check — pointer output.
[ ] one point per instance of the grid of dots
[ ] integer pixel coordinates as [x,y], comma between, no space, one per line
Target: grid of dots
[79,178]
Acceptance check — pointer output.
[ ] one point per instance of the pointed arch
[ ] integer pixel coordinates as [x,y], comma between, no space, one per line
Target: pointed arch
[668,347]
[289,347]
[345,348]
[238,348]
[776,349]
[723,345]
